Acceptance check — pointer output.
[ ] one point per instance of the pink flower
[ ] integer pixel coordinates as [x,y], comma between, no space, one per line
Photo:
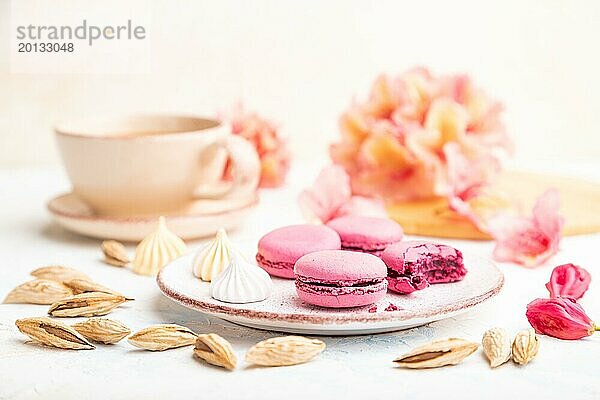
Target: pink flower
[560,318]
[467,183]
[392,144]
[468,192]
[568,280]
[529,240]
[271,148]
[328,194]
[330,197]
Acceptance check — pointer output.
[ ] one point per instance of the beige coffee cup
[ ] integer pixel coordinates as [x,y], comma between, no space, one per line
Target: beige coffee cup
[154,164]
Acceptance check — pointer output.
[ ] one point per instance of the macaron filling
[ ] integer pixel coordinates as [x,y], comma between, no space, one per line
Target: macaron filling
[438,263]
[445,269]
[356,246]
[275,265]
[407,282]
[340,287]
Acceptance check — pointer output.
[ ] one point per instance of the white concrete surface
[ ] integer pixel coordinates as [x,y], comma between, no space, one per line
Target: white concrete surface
[350,368]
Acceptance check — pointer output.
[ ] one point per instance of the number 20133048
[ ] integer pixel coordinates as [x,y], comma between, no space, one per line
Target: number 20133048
[25,47]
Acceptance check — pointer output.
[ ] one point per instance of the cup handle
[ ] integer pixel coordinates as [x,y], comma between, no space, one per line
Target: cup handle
[245,169]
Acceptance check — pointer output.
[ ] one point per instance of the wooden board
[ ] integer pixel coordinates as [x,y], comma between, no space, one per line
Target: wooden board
[580,205]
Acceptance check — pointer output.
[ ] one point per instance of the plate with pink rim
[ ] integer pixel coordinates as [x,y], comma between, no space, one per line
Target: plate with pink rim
[284,312]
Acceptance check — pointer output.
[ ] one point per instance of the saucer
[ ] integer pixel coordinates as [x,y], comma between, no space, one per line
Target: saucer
[203,218]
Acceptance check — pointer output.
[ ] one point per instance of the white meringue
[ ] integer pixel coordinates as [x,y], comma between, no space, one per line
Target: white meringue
[241,282]
[157,250]
[213,258]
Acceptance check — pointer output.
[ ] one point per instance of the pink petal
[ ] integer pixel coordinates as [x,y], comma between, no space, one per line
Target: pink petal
[559,317]
[545,214]
[363,206]
[330,191]
[418,142]
[569,280]
[264,136]
[467,179]
[459,86]
[528,241]
[466,176]
[512,240]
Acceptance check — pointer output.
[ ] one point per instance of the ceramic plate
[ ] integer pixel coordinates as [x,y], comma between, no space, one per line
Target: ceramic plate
[204,218]
[283,311]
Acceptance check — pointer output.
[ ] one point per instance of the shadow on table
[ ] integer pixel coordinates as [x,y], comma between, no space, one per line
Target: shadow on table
[241,336]
[55,232]
[172,312]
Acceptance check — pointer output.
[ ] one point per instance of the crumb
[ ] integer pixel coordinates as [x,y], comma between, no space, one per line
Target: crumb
[373,309]
[392,307]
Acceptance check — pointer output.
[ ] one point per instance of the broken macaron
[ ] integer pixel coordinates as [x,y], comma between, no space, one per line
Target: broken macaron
[413,265]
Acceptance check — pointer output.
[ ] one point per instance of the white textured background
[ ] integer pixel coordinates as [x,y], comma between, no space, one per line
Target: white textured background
[302,62]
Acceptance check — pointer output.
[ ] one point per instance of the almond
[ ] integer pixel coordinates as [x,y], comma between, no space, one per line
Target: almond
[437,353]
[58,273]
[86,305]
[102,330]
[38,291]
[215,350]
[115,253]
[496,346]
[285,350]
[525,346]
[163,337]
[85,286]
[53,333]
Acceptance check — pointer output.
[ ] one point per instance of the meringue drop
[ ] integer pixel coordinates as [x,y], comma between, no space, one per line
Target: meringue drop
[213,258]
[241,282]
[157,250]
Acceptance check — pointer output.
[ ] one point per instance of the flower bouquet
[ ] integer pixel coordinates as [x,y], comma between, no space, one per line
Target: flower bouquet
[418,136]
[431,147]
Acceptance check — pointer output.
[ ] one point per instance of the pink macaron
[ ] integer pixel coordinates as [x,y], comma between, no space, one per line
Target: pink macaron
[279,250]
[414,264]
[339,278]
[366,234]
